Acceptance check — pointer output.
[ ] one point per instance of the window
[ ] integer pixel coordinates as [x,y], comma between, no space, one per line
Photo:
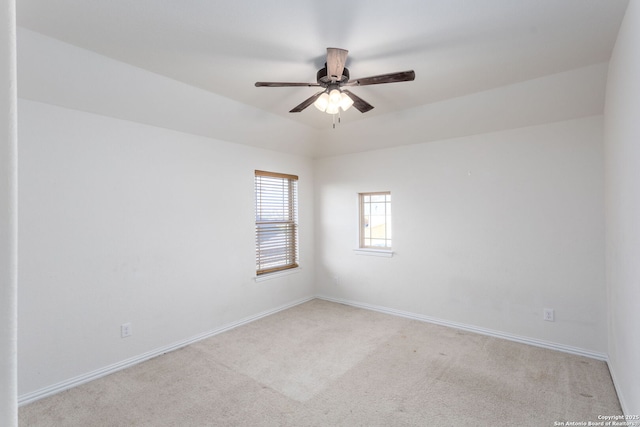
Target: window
[375,220]
[276,222]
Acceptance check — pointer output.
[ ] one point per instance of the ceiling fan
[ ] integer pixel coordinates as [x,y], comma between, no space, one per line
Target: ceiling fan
[332,78]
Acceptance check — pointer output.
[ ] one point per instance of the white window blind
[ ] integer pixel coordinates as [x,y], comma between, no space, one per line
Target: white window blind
[276,221]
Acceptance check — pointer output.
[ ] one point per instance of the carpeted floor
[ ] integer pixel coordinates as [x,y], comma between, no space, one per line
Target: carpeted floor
[327,364]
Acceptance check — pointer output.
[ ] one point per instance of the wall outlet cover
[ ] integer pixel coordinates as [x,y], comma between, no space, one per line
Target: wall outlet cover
[548,314]
[125,330]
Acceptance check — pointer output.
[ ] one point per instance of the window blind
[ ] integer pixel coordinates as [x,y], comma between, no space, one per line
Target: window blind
[276,221]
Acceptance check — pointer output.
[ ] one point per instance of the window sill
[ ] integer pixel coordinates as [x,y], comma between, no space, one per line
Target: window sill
[374,252]
[269,276]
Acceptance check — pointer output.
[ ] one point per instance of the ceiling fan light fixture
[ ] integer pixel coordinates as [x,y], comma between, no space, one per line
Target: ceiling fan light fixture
[334,97]
[322,102]
[332,101]
[332,108]
[345,101]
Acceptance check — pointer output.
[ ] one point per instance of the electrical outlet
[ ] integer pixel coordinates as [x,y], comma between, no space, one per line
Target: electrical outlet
[125,330]
[548,314]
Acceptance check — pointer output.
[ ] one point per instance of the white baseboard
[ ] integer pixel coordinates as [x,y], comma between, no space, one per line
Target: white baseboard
[621,398]
[93,375]
[470,328]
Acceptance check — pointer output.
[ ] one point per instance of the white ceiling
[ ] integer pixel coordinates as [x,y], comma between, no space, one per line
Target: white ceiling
[456,47]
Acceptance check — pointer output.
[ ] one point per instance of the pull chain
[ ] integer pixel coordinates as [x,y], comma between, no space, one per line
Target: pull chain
[334,119]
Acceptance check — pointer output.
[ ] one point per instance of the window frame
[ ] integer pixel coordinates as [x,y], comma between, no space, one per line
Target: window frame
[283,254]
[361,223]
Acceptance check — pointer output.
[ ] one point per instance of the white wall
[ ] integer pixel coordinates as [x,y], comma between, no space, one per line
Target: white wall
[8,215]
[488,230]
[622,178]
[125,222]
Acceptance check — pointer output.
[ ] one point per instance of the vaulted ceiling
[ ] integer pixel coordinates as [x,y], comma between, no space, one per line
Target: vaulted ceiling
[456,47]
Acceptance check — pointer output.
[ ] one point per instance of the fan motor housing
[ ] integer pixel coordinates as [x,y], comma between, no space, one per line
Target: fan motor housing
[324,80]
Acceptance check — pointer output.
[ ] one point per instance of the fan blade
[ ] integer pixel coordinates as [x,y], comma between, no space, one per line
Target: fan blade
[402,76]
[304,104]
[359,103]
[284,84]
[336,59]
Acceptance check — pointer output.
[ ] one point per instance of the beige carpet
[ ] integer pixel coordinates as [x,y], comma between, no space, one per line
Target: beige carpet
[327,364]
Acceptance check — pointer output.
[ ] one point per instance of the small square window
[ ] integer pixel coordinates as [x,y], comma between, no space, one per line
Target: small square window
[375,220]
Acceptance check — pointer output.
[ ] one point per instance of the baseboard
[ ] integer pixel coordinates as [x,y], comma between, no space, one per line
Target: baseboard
[93,375]
[470,328]
[621,399]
